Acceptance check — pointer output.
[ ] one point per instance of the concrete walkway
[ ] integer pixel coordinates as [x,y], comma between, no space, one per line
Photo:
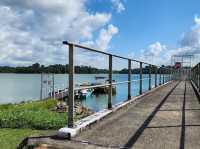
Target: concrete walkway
[168,118]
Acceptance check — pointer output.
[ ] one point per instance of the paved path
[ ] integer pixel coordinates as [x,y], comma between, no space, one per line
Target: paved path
[159,121]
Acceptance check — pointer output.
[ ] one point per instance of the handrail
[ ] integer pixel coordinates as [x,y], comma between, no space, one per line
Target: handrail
[195,75]
[106,53]
[162,72]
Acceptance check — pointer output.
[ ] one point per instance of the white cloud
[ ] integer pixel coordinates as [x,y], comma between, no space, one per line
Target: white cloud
[190,42]
[131,55]
[155,53]
[102,44]
[105,36]
[159,54]
[118,5]
[33,31]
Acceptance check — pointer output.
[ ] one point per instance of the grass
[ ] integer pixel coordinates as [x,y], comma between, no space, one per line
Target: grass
[18,121]
[10,138]
[34,115]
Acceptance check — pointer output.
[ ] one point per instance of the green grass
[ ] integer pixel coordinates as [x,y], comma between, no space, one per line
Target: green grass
[10,138]
[34,115]
[18,121]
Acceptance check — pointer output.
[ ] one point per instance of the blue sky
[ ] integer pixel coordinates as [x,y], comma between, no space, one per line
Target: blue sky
[144,22]
[148,30]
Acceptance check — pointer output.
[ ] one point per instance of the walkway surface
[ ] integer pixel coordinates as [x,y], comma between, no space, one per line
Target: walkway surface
[168,118]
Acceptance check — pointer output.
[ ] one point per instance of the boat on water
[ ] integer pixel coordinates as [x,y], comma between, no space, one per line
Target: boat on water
[83,93]
[100,77]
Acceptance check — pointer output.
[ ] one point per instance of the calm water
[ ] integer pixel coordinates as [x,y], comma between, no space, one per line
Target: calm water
[23,87]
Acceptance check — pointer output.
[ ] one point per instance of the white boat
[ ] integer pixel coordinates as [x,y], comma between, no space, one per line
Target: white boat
[85,93]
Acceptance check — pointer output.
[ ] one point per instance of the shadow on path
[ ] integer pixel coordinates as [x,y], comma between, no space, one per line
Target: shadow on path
[141,129]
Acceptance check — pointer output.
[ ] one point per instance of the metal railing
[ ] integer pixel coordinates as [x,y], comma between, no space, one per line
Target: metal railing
[161,71]
[195,75]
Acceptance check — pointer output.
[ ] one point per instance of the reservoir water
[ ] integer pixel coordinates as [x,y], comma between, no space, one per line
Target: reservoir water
[15,88]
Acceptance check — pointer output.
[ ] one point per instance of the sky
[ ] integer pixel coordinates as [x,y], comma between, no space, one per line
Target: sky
[148,30]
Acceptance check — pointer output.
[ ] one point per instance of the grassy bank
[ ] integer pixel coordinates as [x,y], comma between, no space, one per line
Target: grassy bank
[18,121]
[34,115]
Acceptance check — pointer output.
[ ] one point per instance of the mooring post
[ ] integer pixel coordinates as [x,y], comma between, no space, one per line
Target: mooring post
[110,83]
[129,79]
[140,89]
[71,87]
[155,76]
[149,77]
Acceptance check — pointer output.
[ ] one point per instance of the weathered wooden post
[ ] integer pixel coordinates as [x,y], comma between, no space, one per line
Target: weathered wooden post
[110,83]
[149,77]
[129,79]
[156,76]
[140,89]
[71,87]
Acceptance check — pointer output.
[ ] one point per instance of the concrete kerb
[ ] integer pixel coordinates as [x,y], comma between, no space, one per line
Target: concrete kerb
[67,133]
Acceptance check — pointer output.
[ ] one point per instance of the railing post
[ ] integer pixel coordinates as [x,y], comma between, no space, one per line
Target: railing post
[171,74]
[41,86]
[110,83]
[149,77]
[160,76]
[71,87]
[199,76]
[140,89]
[156,76]
[163,74]
[129,79]
[53,75]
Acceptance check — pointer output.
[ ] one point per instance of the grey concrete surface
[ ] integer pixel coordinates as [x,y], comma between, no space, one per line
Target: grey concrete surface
[152,123]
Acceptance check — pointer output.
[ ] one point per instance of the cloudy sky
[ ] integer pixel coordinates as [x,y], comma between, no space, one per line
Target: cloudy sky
[33,30]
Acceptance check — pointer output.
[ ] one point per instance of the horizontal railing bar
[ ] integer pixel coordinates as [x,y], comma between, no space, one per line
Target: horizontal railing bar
[93,86]
[107,84]
[98,51]
[122,82]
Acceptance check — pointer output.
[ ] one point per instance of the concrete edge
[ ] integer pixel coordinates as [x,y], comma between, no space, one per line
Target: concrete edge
[86,122]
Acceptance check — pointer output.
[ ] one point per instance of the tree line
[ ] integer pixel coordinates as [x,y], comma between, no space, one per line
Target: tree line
[61,69]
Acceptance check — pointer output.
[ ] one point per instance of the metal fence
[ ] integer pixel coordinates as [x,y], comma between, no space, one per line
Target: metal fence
[164,74]
[195,75]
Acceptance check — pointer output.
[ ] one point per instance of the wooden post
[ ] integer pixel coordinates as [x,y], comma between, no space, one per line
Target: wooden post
[129,79]
[140,89]
[149,77]
[110,83]
[156,76]
[71,87]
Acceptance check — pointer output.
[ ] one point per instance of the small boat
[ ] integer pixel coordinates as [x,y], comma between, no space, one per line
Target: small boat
[84,93]
[99,77]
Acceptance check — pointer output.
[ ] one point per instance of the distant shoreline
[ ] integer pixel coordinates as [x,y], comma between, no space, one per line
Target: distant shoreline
[63,69]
